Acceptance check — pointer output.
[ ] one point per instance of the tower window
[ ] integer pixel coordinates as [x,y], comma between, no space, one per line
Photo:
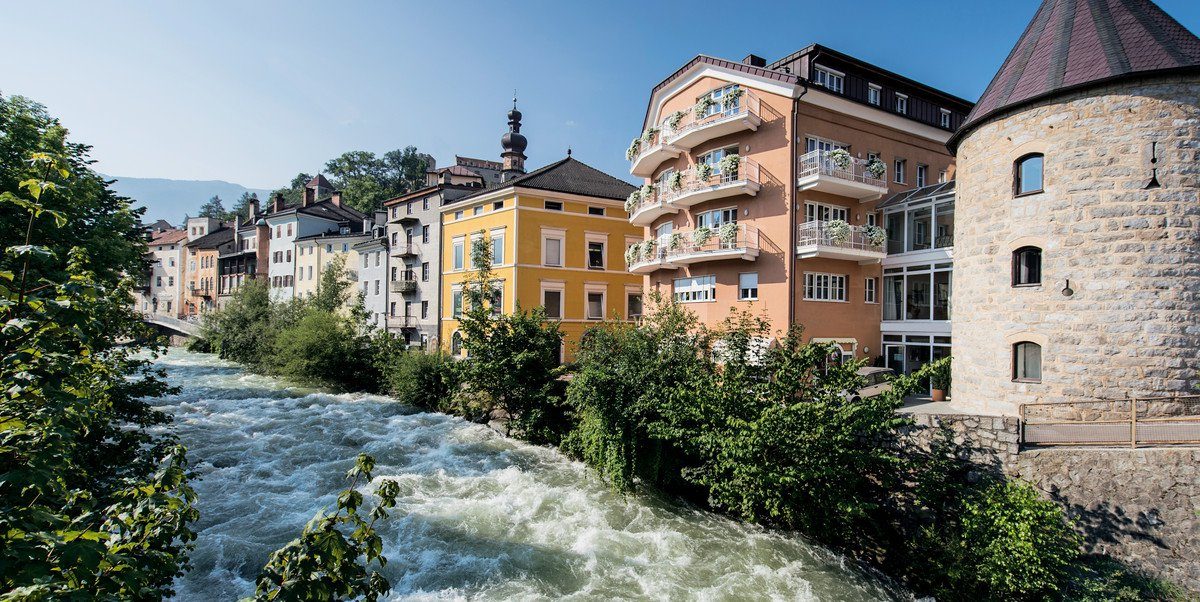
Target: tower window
[1027,266]
[1027,174]
[1027,362]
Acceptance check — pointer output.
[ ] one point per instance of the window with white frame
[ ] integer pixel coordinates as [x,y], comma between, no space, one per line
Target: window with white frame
[922,174]
[873,94]
[945,118]
[713,158]
[748,286]
[595,304]
[869,291]
[695,289]
[552,244]
[942,176]
[829,78]
[459,246]
[552,301]
[719,104]
[820,212]
[498,247]
[456,302]
[900,168]
[824,287]
[596,251]
[812,143]
[716,217]
[553,205]
[902,103]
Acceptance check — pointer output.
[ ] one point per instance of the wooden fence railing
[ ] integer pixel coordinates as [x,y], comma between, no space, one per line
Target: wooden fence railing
[1133,422]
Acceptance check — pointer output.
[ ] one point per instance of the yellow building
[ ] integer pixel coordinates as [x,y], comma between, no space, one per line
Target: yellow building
[314,253]
[558,237]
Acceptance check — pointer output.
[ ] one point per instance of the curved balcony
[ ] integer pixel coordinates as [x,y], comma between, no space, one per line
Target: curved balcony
[650,208]
[656,261]
[685,250]
[814,239]
[817,171]
[695,190]
[652,154]
[721,119]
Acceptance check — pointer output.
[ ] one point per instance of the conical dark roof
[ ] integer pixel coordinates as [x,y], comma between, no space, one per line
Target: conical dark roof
[319,182]
[1071,44]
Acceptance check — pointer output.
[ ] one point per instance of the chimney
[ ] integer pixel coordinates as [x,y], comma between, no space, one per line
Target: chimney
[277,204]
[310,195]
[252,210]
[336,198]
[754,60]
[262,244]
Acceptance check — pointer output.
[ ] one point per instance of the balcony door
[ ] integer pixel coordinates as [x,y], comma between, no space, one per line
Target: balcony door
[816,212]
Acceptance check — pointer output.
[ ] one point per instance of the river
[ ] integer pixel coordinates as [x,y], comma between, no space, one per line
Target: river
[479,516]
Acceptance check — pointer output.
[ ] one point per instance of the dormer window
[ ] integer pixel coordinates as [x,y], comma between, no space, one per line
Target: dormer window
[902,103]
[945,118]
[829,78]
[874,93]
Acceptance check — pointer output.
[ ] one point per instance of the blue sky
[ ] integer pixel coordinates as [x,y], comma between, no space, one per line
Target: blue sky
[253,92]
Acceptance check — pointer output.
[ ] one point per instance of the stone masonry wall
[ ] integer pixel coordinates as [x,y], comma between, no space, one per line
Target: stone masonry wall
[1141,506]
[1131,255]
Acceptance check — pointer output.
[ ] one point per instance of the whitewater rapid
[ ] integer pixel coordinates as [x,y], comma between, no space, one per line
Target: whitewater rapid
[479,516]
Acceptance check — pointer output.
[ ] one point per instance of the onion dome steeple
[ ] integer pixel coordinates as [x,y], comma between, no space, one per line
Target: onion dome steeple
[514,144]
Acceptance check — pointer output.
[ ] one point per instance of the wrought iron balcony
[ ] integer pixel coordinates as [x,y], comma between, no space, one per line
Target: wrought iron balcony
[696,187]
[723,118]
[818,239]
[820,170]
[651,153]
[405,283]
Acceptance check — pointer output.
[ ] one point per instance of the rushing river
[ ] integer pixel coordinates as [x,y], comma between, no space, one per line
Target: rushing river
[479,516]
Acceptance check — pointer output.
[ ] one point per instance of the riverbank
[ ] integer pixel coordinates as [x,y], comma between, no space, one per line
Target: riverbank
[480,515]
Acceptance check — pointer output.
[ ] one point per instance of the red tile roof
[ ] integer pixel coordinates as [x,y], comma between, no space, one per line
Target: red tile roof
[169,237]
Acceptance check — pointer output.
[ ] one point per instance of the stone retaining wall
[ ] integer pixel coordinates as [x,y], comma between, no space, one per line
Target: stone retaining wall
[1141,506]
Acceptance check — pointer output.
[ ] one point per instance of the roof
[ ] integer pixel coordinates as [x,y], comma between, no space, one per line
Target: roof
[458,170]
[426,191]
[324,209]
[568,176]
[484,163]
[319,181]
[818,49]
[161,224]
[1073,44]
[923,192]
[788,78]
[331,234]
[213,240]
[168,237]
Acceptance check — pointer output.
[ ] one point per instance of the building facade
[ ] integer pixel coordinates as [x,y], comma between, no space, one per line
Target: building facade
[240,263]
[319,212]
[203,272]
[162,292]
[1075,251]
[762,184]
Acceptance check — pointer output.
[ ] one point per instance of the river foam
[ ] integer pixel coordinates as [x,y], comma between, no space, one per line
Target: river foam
[479,516]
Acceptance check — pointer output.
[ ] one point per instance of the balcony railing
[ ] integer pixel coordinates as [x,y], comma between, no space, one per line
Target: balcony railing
[406,282]
[696,188]
[725,117]
[682,248]
[402,321]
[819,239]
[403,249]
[819,170]
[651,152]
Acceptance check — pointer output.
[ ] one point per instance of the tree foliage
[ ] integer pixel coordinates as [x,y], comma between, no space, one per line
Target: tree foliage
[214,208]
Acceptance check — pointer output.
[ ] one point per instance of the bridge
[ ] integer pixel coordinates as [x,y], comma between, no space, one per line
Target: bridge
[173,325]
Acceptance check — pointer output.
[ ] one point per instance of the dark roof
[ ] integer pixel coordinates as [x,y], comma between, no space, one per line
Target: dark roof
[161,224]
[328,210]
[789,78]
[817,50]
[319,181]
[213,240]
[569,176]
[1072,44]
[353,233]
[929,191]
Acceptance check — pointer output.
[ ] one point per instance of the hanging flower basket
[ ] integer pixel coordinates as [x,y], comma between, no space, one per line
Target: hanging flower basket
[674,119]
[876,235]
[635,147]
[702,235]
[876,168]
[648,249]
[648,191]
[675,241]
[632,202]
[703,171]
[729,166]
[633,254]
[728,233]
[838,231]
[702,105]
[649,135]
[840,158]
[731,97]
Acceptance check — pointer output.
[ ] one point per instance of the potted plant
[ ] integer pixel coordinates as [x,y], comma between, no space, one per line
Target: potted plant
[838,231]
[731,97]
[648,249]
[649,134]
[840,158]
[728,232]
[876,235]
[875,167]
[939,380]
[702,106]
[675,180]
[635,147]
[729,166]
[632,202]
[648,191]
[633,254]
[701,235]
[703,171]
[675,241]
[674,119]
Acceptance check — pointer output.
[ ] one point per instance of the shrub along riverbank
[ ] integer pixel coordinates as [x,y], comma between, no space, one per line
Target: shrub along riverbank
[767,434]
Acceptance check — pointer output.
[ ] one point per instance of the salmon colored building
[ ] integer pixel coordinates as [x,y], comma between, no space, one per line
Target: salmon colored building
[761,186]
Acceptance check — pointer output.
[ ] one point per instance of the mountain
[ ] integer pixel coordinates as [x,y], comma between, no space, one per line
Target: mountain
[173,199]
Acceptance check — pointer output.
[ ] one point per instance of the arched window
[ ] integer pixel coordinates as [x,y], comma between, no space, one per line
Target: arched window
[1027,362]
[1027,266]
[456,343]
[1027,174]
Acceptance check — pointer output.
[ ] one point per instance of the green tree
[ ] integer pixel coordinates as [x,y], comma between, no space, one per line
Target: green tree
[294,191]
[406,169]
[241,207]
[242,331]
[214,208]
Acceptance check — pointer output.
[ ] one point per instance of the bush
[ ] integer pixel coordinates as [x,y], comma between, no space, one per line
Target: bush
[423,379]
[1102,579]
[323,349]
[242,331]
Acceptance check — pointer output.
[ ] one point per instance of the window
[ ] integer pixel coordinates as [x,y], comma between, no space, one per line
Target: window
[811,144]
[425,234]
[425,204]
[458,253]
[456,343]
[922,174]
[376,287]
[595,252]
[595,306]
[902,103]
[873,94]
[1027,266]
[716,217]
[458,214]
[713,159]
[477,210]
[552,251]
[945,118]
[425,272]
[289,229]
[1027,362]
[817,212]
[497,248]
[395,212]
[158,281]
[552,302]
[424,310]
[829,78]
[498,205]
[695,289]
[824,287]
[900,168]
[595,210]
[633,305]
[942,176]
[456,303]
[395,238]
[378,255]
[1028,174]
[345,247]
[496,299]
[554,206]
[720,105]
[748,286]
[869,293]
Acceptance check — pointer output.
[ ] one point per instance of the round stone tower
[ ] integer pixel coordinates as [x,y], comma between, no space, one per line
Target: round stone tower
[1077,234]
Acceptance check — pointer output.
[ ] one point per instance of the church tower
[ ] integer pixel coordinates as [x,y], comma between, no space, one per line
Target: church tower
[514,144]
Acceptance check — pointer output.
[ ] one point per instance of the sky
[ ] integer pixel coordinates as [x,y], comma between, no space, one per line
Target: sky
[255,92]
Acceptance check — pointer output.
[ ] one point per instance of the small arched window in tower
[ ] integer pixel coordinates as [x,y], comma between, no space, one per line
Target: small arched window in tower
[456,343]
[1028,174]
[1027,266]
[1027,362]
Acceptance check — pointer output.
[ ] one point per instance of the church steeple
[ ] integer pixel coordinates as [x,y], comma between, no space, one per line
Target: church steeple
[513,143]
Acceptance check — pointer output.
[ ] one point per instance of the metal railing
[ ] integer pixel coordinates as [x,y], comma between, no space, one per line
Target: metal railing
[1133,422]
[746,104]
[406,282]
[747,171]
[745,238]
[819,162]
[818,233]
